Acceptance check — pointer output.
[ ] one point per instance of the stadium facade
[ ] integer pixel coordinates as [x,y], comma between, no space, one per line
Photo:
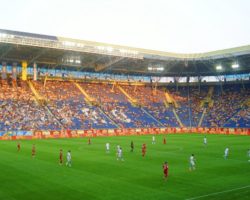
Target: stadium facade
[54,86]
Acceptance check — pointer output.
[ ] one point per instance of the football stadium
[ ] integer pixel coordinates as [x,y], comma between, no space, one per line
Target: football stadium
[81,119]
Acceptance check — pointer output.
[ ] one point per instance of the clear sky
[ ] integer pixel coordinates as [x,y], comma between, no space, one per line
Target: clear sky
[183,26]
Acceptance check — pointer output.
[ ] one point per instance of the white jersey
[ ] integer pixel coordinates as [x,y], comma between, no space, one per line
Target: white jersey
[226,151]
[68,156]
[153,140]
[205,140]
[192,160]
[107,146]
[120,153]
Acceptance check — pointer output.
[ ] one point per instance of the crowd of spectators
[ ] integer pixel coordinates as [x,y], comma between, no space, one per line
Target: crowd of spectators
[67,108]
[152,100]
[240,119]
[196,96]
[117,107]
[228,105]
[68,104]
[20,111]
[183,109]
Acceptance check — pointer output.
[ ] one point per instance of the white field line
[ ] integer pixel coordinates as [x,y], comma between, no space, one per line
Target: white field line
[215,193]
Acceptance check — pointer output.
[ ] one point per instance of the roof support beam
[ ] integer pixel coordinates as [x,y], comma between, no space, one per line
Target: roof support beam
[92,62]
[109,64]
[6,52]
[37,56]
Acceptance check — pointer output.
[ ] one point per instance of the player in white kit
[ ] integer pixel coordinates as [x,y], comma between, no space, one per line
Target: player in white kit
[119,154]
[68,163]
[107,147]
[226,153]
[205,141]
[192,163]
[153,139]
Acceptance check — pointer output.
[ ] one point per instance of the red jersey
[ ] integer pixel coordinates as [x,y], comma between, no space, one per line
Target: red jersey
[33,150]
[164,141]
[143,149]
[61,157]
[18,146]
[165,170]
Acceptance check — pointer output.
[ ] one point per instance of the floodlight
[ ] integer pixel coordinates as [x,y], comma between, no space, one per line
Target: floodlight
[160,68]
[218,67]
[235,66]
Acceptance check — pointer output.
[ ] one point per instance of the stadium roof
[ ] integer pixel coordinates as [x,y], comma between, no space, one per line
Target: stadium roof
[58,52]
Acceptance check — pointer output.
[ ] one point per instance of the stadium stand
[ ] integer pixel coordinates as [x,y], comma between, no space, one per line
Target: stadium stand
[65,107]
[67,104]
[228,107]
[19,111]
[56,83]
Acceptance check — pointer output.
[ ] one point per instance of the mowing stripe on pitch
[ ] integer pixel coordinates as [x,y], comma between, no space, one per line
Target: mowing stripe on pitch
[212,194]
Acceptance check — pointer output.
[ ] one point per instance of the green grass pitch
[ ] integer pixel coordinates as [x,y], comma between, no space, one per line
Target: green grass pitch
[96,174]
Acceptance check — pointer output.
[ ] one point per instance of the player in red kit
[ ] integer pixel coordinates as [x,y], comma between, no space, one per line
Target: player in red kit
[33,152]
[61,157]
[18,146]
[143,150]
[165,170]
[89,141]
[164,140]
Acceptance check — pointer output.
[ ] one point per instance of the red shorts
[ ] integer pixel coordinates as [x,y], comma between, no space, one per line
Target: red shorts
[165,173]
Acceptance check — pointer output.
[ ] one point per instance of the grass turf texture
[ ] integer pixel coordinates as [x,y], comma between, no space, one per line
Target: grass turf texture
[96,174]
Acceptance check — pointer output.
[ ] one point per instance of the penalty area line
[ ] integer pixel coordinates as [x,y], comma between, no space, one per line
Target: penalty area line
[215,193]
